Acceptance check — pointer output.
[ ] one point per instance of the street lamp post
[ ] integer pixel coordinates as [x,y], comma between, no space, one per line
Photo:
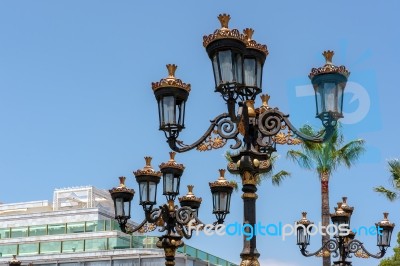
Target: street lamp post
[343,244]
[237,62]
[14,261]
[173,220]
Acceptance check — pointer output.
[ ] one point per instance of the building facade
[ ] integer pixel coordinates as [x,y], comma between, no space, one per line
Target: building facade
[78,229]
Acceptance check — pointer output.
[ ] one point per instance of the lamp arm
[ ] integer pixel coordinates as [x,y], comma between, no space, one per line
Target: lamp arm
[153,215]
[128,229]
[272,121]
[355,246]
[222,125]
[331,245]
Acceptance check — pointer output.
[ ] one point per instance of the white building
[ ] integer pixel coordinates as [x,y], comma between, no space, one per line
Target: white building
[78,229]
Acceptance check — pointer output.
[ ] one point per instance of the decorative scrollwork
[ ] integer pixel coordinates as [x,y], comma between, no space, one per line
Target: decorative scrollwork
[330,246]
[361,254]
[184,215]
[224,129]
[282,138]
[212,143]
[147,227]
[270,122]
[357,247]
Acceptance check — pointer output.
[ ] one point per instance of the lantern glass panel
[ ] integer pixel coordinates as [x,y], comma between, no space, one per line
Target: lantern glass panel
[259,73]
[227,67]
[301,238]
[330,97]
[152,192]
[169,110]
[223,201]
[169,183]
[143,191]
[119,207]
[250,72]
[217,73]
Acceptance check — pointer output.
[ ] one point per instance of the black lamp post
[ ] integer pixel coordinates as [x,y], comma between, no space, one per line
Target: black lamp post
[237,62]
[173,221]
[343,243]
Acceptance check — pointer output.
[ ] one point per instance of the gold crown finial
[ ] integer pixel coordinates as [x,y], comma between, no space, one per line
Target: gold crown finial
[148,161]
[122,181]
[171,70]
[304,215]
[344,199]
[190,189]
[328,56]
[172,156]
[248,33]
[265,98]
[221,173]
[385,216]
[224,20]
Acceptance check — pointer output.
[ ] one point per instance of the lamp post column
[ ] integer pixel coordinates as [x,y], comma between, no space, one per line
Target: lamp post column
[249,254]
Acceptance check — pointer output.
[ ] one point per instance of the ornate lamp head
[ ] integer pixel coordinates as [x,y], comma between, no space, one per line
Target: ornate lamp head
[148,180]
[329,83]
[221,191]
[171,94]
[302,228]
[190,200]
[172,172]
[226,47]
[122,197]
[384,229]
[253,63]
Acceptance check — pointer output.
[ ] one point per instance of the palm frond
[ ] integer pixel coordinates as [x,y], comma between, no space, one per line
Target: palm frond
[351,152]
[394,168]
[279,177]
[302,159]
[390,195]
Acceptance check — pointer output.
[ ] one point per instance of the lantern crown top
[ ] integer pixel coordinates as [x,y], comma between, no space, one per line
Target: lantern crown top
[304,221]
[147,169]
[171,81]
[224,32]
[172,163]
[252,44]
[224,20]
[221,181]
[329,67]
[122,187]
[385,222]
[345,206]
[339,211]
[190,196]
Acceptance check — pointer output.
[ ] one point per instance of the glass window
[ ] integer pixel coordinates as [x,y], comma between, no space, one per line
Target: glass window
[96,244]
[118,243]
[56,229]
[108,226]
[191,251]
[73,246]
[4,233]
[28,249]
[38,230]
[93,226]
[50,247]
[8,250]
[19,232]
[75,227]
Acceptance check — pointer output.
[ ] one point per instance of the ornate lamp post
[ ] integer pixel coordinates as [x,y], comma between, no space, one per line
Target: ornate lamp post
[171,219]
[343,244]
[14,261]
[237,61]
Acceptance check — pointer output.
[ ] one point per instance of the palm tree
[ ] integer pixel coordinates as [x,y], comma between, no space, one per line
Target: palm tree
[394,168]
[276,178]
[325,158]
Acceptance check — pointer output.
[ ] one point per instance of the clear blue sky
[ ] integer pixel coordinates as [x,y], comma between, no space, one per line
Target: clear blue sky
[76,105]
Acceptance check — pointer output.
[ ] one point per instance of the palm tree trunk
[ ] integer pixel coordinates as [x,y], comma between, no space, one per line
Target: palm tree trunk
[325,215]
